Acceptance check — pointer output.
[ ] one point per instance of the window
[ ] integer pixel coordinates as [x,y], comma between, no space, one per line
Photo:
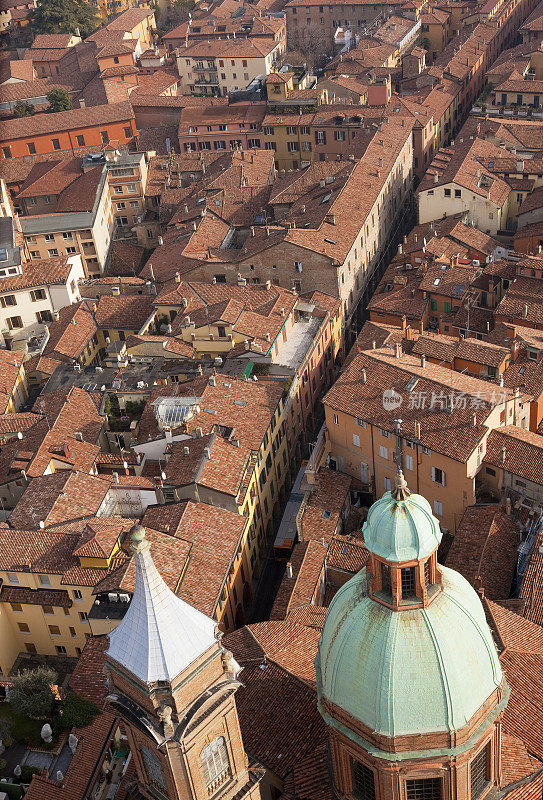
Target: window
[48,609]
[458,193]
[61,650]
[153,768]
[37,294]
[363,780]
[31,148]
[215,764]
[54,630]
[83,616]
[73,634]
[120,206]
[8,300]
[408,461]
[12,577]
[14,322]
[30,648]
[220,278]
[339,136]
[49,237]
[17,607]
[56,144]
[438,476]
[479,777]
[361,422]
[423,789]
[44,580]
[408,582]
[292,147]
[447,192]
[383,452]
[80,140]
[131,188]
[336,419]
[356,440]
[23,627]
[7,152]
[104,136]
[438,508]
[77,594]
[127,131]
[53,252]
[490,471]
[388,485]
[386,584]
[427,579]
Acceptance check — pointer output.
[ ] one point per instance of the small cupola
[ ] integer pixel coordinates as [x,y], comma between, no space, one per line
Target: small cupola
[402,536]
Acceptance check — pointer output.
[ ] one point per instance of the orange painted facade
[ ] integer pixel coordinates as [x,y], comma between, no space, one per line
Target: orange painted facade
[90,135]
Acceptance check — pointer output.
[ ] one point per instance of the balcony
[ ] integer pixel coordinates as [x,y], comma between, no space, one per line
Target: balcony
[206,81]
[221,778]
[204,68]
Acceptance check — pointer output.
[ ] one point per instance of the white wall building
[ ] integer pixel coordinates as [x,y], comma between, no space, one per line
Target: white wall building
[219,66]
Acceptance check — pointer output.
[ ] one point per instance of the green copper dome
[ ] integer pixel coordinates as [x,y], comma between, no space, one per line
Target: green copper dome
[400,526]
[414,671]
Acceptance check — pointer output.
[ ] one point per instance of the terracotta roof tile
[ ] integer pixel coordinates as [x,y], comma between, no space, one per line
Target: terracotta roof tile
[485,550]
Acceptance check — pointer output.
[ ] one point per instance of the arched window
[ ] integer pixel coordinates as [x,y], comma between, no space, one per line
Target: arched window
[215,764]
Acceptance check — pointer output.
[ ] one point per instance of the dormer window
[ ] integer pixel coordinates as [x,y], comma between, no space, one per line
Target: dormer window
[408,582]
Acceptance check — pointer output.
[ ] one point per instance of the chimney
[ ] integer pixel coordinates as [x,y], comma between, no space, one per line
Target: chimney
[525,310]
[508,506]
[199,433]
[474,420]
[373,344]
[115,477]
[400,249]
[397,350]
[504,453]
[207,453]
[417,430]
[212,380]
[520,166]
[268,286]
[404,322]
[363,376]
[160,240]
[436,177]
[289,570]
[423,360]
[42,524]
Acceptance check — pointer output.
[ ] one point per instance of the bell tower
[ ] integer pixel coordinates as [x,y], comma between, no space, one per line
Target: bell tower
[409,681]
[173,684]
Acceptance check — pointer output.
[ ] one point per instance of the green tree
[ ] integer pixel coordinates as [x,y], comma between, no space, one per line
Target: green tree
[23,109]
[59,100]
[31,693]
[64,16]
[77,711]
